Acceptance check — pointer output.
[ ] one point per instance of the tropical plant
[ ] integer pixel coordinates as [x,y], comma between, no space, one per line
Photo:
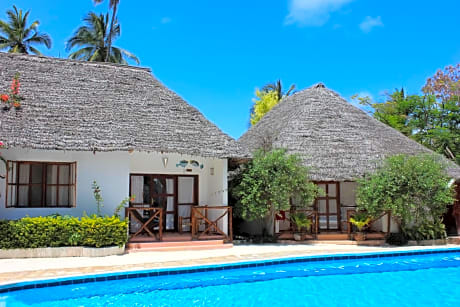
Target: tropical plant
[266,98]
[18,37]
[301,221]
[92,39]
[264,102]
[123,204]
[360,219]
[113,4]
[432,119]
[445,84]
[269,181]
[429,230]
[416,189]
[277,87]
[97,197]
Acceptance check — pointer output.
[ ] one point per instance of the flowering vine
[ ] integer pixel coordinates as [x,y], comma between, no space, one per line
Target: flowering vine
[12,98]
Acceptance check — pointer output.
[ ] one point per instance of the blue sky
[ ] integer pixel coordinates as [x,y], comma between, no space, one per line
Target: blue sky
[215,53]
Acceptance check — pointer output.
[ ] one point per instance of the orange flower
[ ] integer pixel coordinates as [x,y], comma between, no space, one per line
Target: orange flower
[4,97]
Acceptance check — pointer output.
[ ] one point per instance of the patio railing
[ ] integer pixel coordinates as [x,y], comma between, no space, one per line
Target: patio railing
[212,221]
[150,221]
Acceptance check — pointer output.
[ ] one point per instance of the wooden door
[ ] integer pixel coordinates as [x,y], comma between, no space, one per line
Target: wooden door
[174,193]
[328,206]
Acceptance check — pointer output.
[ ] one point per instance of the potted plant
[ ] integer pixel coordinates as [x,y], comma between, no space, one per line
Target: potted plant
[302,223]
[360,220]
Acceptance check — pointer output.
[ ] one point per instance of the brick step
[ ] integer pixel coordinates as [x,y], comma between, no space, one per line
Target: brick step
[453,240]
[170,244]
[179,248]
[332,236]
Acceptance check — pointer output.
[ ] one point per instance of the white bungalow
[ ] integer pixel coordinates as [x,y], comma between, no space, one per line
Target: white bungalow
[119,126]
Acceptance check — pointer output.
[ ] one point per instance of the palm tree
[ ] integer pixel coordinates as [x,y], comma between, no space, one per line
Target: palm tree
[278,88]
[113,4]
[93,39]
[17,37]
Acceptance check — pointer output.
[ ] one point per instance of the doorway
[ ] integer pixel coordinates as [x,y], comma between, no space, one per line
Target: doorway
[328,206]
[175,194]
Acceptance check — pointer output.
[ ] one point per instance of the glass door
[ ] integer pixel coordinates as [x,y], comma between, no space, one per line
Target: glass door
[163,196]
[328,206]
[176,194]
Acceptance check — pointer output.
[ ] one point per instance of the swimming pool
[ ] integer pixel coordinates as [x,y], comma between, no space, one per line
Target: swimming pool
[420,278]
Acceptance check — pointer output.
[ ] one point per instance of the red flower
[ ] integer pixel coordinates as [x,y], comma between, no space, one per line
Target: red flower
[2,144]
[4,97]
[15,87]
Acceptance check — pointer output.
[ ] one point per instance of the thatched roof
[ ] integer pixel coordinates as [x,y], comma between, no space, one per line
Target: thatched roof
[336,139]
[83,106]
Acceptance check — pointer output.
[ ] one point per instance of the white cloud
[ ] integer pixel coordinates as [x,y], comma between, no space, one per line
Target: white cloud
[165,20]
[370,23]
[312,12]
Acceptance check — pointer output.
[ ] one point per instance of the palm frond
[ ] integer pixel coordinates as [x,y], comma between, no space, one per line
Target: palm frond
[34,50]
[82,54]
[39,38]
[129,55]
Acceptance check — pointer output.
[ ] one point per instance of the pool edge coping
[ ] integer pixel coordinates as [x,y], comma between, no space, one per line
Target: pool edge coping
[129,274]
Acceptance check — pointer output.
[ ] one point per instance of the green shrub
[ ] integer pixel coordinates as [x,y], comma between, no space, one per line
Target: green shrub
[269,182]
[428,230]
[301,221]
[56,231]
[415,189]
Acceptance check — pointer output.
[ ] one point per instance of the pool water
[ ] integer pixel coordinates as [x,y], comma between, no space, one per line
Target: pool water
[422,280]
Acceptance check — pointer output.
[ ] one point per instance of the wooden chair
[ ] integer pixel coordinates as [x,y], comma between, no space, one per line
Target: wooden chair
[184,221]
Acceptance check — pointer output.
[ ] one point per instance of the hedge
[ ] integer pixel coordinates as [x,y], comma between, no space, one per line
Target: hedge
[58,231]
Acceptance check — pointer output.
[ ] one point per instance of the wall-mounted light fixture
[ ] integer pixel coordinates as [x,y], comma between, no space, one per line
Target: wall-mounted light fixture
[165,161]
[211,171]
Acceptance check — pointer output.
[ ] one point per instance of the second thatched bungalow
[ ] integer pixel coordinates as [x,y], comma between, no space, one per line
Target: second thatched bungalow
[340,143]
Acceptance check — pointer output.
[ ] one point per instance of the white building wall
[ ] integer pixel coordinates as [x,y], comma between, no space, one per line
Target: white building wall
[111,171]
[212,188]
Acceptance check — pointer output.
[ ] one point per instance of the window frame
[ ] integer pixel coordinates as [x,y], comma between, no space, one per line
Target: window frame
[44,184]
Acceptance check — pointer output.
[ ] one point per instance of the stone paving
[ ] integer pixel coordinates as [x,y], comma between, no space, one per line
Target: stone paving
[17,270]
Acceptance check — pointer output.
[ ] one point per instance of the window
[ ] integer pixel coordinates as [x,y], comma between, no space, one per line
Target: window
[40,184]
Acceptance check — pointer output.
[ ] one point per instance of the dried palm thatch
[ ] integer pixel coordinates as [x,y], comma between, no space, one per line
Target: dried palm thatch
[84,106]
[336,139]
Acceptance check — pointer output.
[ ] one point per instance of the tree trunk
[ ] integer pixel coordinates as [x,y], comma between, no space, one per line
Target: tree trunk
[112,22]
[270,222]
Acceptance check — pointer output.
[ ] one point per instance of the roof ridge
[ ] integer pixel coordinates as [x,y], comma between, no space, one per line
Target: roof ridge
[50,58]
